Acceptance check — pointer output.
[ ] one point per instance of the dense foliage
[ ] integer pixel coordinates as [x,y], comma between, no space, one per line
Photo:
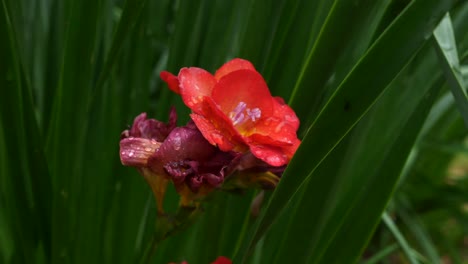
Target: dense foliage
[380,175]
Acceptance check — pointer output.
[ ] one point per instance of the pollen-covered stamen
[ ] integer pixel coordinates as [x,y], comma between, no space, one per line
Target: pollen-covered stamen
[237,116]
[254,114]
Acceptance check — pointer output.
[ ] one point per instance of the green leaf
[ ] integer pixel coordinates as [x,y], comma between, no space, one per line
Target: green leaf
[382,255]
[348,31]
[446,47]
[127,22]
[360,89]
[400,238]
[24,180]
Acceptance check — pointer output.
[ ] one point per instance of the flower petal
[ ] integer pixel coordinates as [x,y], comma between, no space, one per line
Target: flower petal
[274,156]
[279,129]
[183,143]
[222,260]
[211,133]
[135,129]
[218,130]
[285,111]
[171,81]
[181,169]
[151,128]
[233,65]
[195,84]
[240,93]
[137,151]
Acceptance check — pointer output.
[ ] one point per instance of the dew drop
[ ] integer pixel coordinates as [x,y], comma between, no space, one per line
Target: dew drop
[131,153]
[279,127]
[177,142]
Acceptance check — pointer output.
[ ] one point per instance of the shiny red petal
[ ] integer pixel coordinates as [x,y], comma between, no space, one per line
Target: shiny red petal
[243,86]
[233,65]
[282,110]
[195,84]
[217,128]
[291,150]
[274,131]
[272,155]
[279,129]
[212,134]
[171,81]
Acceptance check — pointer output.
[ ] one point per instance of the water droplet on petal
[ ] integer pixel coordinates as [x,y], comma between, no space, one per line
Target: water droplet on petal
[177,141]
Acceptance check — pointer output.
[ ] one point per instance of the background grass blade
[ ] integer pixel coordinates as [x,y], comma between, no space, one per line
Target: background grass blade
[25,186]
[362,75]
[352,171]
[446,47]
[400,238]
[355,93]
[346,19]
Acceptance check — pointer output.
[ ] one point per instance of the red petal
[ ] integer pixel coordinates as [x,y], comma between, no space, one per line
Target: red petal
[291,150]
[286,113]
[135,130]
[212,134]
[233,65]
[243,86]
[171,81]
[279,129]
[274,156]
[137,151]
[222,260]
[217,128]
[195,84]
[275,140]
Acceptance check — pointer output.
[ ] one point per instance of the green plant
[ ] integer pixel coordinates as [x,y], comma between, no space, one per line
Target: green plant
[368,80]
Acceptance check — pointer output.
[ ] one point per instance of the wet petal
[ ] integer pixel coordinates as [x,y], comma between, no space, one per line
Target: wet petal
[274,156]
[184,143]
[195,84]
[243,96]
[151,128]
[233,65]
[137,151]
[212,134]
[218,129]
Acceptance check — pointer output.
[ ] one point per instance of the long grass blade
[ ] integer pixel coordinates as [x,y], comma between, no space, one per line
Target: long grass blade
[446,47]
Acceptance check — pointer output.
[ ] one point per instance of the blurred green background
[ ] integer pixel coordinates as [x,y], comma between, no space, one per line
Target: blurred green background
[381,175]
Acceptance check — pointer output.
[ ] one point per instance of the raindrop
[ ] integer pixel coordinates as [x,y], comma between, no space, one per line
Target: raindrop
[177,142]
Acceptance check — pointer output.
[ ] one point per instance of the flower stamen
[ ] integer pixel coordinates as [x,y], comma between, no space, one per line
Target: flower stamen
[254,114]
[237,116]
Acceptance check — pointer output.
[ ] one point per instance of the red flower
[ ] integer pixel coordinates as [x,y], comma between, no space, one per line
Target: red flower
[234,110]
[222,260]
